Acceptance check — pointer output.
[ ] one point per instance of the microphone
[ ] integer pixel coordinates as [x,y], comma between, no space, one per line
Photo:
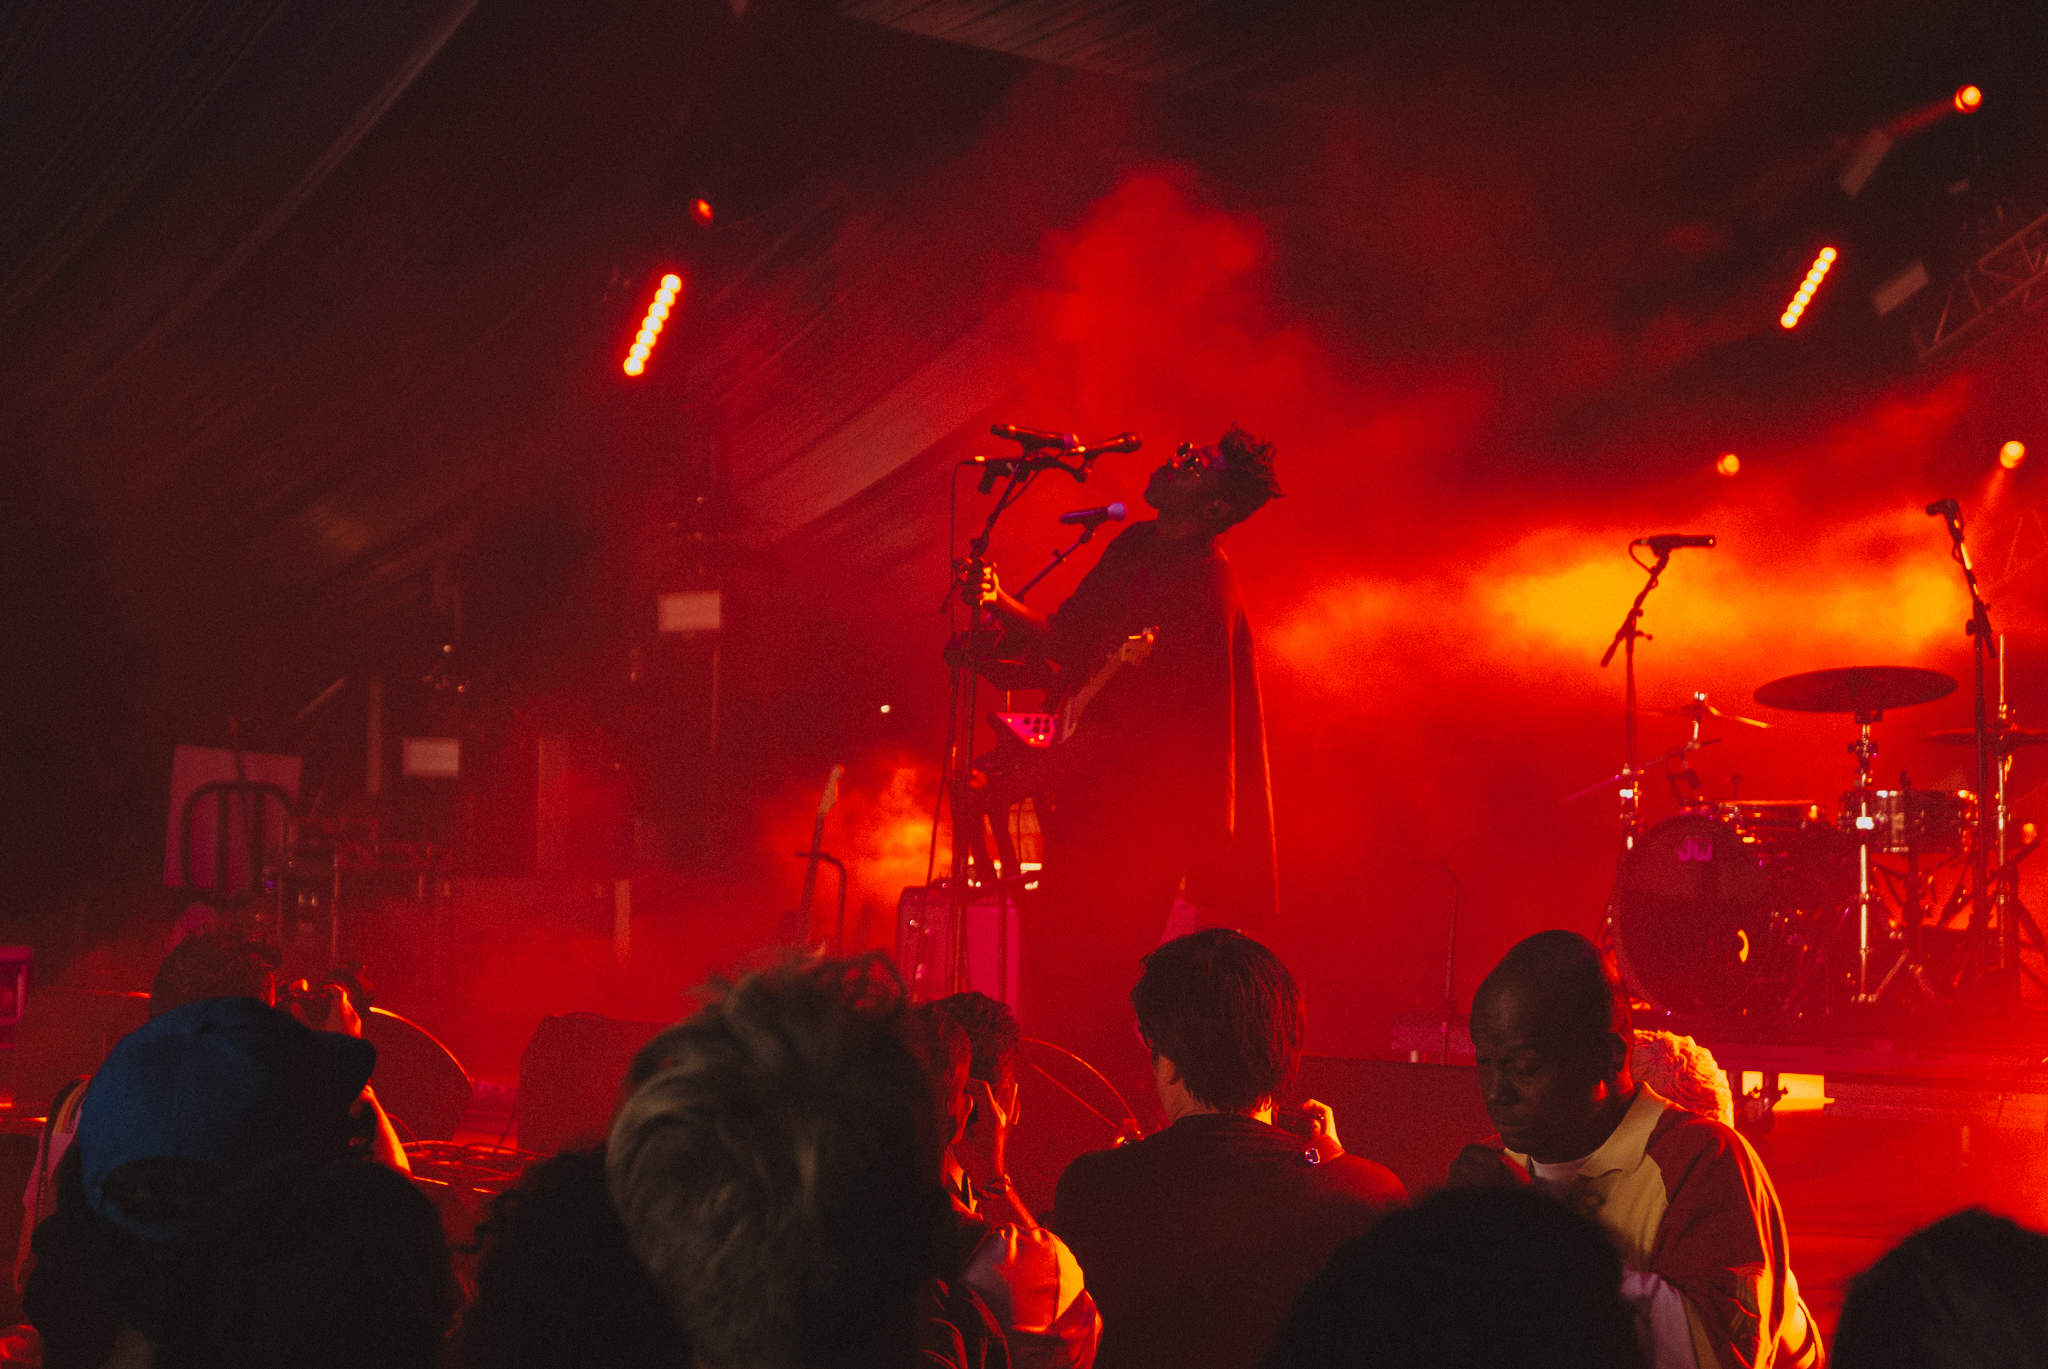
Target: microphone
[1108,513]
[1122,442]
[1031,439]
[1944,508]
[1665,542]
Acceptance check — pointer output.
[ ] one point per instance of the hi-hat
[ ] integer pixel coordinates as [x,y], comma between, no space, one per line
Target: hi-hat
[1701,708]
[2010,739]
[1859,689]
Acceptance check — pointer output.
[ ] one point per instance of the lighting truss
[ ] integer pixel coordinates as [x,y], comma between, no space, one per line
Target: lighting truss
[2011,278]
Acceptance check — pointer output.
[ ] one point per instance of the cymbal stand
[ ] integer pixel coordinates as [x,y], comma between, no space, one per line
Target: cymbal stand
[1983,644]
[1865,751]
[2015,921]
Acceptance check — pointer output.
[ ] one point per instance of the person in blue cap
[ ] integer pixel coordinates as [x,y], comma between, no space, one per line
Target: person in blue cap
[181,1108]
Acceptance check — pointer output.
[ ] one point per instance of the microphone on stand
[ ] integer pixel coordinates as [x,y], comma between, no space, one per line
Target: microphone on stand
[1090,518]
[1664,543]
[1122,442]
[1944,508]
[1032,439]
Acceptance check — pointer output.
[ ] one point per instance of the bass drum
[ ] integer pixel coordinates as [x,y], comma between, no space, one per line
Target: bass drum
[1712,918]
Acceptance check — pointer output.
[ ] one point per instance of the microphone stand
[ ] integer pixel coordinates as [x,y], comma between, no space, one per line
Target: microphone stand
[1059,557]
[1631,775]
[966,677]
[1984,646]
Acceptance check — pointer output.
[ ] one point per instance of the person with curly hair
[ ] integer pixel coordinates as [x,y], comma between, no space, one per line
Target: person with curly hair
[777,1172]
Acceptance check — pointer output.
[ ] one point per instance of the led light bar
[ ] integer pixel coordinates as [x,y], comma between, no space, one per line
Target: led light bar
[651,325]
[1804,297]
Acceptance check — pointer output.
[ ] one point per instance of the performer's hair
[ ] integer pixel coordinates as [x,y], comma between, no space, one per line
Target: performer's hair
[779,1176]
[1581,980]
[1248,479]
[991,1033]
[1227,1013]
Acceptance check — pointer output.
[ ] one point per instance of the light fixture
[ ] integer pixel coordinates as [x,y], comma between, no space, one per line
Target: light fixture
[652,323]
[1822,264]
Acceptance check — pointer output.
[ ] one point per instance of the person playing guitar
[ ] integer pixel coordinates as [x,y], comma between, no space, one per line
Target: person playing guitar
[1157,786]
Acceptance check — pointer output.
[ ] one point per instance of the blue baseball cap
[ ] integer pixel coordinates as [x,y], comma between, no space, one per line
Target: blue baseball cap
[228,1082]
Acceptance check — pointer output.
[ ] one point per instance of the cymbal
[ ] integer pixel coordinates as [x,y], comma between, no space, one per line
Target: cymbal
[2011,739]
[1696,706]
[1856,689]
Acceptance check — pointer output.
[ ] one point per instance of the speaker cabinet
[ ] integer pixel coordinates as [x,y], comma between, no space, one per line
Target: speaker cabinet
[570,1077]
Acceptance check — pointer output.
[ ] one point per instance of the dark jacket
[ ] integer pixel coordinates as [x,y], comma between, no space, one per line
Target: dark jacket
[1196,1241]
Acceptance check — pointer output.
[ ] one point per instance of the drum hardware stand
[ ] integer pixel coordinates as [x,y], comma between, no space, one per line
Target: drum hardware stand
[1865,751]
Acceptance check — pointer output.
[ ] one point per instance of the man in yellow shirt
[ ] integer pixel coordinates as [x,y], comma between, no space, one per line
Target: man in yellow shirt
[1685,1198]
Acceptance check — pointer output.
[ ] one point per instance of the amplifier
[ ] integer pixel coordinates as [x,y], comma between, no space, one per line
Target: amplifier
[928,951]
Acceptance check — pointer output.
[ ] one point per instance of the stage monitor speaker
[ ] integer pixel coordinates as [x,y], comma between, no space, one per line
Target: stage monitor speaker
[1411,1118]
[65,1033]
[925,944]
[570,1076]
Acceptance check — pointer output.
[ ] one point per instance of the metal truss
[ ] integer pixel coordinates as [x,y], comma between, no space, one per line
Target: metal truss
[2011,278]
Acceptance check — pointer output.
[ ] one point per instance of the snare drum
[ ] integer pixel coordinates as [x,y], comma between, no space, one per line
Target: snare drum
[1912,821]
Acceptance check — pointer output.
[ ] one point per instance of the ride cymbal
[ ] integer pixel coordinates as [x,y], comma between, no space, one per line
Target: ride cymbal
[1860,689]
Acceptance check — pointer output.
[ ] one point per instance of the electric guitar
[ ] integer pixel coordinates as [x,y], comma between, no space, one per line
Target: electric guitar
[796,924]
[1043,730]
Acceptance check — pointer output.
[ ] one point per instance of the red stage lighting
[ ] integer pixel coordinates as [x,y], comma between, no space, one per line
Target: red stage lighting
[1729,464]
[1804,296]
[2011,454]
[702,212]
[1968,98]
[651,324]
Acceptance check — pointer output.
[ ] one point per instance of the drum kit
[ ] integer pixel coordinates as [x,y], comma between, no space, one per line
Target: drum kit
[1776,909]
[1792,908]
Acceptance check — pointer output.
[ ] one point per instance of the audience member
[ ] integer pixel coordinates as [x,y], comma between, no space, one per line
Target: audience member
[1027,1276]
[1969,1292]
[779,1179]
[1493,1278]
[1685,1198]
[200,966]
[558,1287]
[1197,1240]
[182,1106]
[310,1262]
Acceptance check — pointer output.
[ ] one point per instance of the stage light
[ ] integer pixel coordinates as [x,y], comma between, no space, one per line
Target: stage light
[1817,273]
[2011,454]
[1968,98]
[703,213]
[651,324]
[1729,464]
[885,708]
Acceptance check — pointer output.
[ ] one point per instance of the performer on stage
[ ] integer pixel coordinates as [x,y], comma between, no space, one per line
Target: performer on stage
[1161,792]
